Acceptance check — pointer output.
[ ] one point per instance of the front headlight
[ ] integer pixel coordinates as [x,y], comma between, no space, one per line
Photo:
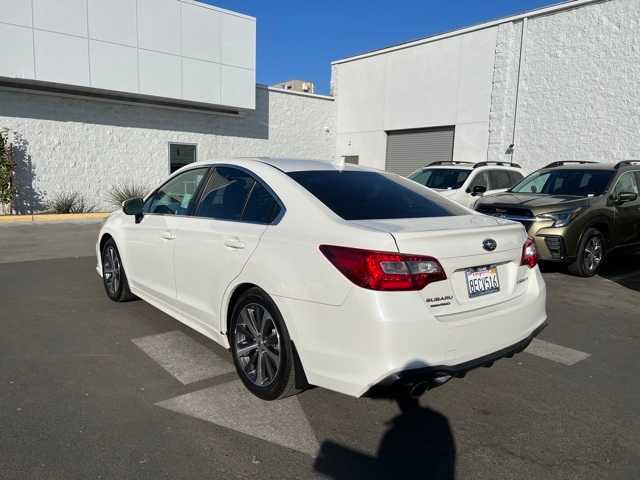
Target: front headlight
[562,218]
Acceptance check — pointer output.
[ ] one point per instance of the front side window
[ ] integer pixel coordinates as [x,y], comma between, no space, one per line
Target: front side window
[441,178]
[578,183]
[364,195]
[499,179]
[626,184]
[480,180]
[176,197]
[515,177]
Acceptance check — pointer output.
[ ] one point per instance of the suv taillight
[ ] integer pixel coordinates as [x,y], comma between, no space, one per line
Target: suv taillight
[529,253]
[384,270]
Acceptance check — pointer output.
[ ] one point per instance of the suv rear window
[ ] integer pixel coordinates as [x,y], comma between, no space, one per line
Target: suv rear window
[363,195]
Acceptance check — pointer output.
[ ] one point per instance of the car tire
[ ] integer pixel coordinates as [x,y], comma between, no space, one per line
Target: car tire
[114,278]
[590,255]
[263,353]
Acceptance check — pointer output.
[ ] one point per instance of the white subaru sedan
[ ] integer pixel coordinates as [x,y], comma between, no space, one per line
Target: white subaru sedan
[348,278]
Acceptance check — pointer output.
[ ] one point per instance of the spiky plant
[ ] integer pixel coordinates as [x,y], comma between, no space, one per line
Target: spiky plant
[70,202]
[124,192]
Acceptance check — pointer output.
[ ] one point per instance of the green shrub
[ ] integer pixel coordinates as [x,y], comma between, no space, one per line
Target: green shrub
[7,189]
[71,202]
[122,193]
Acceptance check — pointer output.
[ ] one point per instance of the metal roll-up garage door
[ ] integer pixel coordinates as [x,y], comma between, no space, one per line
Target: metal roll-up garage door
[408,150]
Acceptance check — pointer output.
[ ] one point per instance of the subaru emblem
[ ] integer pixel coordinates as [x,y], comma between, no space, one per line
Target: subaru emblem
[489,244]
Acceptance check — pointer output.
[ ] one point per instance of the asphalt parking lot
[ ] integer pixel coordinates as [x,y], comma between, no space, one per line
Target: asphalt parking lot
[94,389]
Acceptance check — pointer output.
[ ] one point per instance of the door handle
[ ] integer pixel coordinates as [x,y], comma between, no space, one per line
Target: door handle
[234,244]
[167,236]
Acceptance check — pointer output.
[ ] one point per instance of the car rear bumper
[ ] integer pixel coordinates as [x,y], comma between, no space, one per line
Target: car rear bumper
[375,337]
[408,378]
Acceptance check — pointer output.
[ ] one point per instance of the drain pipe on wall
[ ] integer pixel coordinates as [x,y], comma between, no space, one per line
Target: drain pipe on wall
[523,38]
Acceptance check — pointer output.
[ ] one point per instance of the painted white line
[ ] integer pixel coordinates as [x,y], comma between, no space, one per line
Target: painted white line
[231,406]
[183,357]
[556,353]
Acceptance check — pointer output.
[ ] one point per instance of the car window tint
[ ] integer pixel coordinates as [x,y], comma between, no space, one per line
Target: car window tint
[441,178]
[226,194]
[579,183]
[626,184]
[177,195]
[261,207]
[515,177]
[532,184]
[481,179]
[365,195]
[499,179]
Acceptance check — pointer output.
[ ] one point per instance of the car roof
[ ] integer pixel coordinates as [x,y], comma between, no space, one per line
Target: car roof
[454,166]
[288,164]
[584,166]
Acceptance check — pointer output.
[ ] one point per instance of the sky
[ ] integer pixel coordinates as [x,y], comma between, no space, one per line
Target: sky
[300,39]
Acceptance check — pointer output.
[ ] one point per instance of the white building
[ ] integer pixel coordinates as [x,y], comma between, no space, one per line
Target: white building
[102,93]
[558,83]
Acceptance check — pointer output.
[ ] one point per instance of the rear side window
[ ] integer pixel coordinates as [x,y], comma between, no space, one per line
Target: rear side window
[363,195]
[235,195]
[261,207]
[225,195]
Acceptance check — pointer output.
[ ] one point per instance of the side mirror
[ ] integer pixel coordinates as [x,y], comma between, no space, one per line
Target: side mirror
[624,197]
[133,206]
[478,190]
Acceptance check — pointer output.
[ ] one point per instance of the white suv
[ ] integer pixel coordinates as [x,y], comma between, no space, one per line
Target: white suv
[465,182]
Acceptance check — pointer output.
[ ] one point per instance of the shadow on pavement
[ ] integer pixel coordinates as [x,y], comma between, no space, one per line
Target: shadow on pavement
[418,444]
[623,267]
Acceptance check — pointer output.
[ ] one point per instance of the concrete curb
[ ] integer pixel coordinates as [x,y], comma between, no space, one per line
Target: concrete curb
[53,217]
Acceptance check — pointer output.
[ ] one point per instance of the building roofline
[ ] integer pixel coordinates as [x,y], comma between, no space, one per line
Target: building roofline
[473,28]
[294,92]
[218,9]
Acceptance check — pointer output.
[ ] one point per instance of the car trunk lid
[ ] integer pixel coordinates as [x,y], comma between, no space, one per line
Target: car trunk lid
[457,242]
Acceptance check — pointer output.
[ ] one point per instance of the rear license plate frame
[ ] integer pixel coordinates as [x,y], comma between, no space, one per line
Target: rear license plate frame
[493,288]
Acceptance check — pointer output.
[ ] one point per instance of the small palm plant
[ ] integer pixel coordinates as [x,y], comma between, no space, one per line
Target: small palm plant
[122,193]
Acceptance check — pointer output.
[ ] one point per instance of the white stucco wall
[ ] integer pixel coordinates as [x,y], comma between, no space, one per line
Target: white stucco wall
[579,95]
[446,82]
[88,146]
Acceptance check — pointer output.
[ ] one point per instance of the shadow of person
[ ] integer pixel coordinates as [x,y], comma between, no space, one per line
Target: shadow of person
[418,444]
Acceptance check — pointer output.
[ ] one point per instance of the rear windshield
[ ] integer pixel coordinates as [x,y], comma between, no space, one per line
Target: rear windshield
[362,195]
[441,178]
[577,183]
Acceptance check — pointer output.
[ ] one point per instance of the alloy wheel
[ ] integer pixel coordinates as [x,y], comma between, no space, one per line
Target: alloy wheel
[593,254]
[257,345]
[111,270]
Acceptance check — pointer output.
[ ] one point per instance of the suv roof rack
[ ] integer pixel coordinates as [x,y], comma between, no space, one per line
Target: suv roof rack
[448,162]
[626,162]
[565,162]
[504,164]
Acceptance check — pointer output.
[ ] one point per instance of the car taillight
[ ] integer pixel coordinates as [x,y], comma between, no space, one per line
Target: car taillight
[384,270]
[529,253]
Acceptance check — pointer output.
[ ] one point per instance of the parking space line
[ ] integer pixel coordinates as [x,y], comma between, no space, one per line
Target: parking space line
[556,353]
[183,357]
[230,405]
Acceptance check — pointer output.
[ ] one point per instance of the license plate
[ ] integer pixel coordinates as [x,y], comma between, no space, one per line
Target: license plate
[482,281]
